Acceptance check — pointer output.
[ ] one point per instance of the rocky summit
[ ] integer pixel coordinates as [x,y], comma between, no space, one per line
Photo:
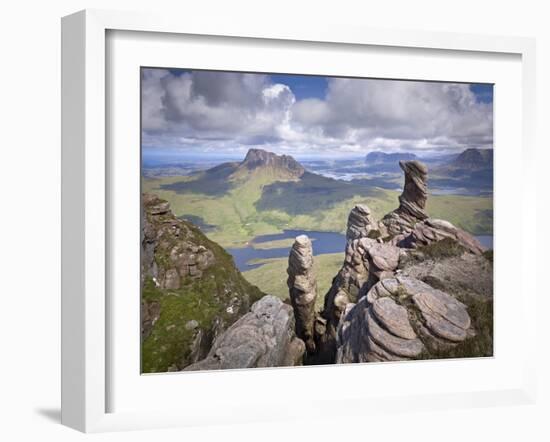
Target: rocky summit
[396,296]
[191,289]
[269,163]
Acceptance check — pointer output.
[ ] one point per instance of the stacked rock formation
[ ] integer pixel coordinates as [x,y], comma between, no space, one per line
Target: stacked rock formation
[303,289]
[366,261]
[412,202]
[401,318]
[166,236]
[373,311]
[264,337]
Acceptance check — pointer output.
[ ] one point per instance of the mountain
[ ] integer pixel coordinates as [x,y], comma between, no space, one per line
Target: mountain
[259,160]
[473,159]
[471,169]
[378,157]
[267,193]
[258,165]
[378,162]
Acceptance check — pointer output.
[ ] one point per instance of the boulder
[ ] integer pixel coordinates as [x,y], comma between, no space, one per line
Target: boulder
[264,337]
[401,318]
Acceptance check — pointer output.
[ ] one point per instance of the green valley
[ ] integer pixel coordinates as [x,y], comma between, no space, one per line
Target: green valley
[242,210]
[271,276]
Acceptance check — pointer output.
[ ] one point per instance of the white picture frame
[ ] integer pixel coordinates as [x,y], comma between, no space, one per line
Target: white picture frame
[86,203]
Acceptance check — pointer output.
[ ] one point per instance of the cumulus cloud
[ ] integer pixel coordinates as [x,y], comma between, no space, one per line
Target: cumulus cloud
[232,111]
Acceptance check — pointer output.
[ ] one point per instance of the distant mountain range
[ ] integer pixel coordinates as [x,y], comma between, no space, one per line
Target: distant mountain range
[473,159]
[238,200]
[468,160]
[384,158]
[286,184]
[381,162]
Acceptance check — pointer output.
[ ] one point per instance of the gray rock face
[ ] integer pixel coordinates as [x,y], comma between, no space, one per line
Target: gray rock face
[412,202]
[433,230]
[401,318]
[303,289]
[264,337]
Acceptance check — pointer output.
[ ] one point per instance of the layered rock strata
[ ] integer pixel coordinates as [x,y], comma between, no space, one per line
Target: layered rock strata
[366,261]
[303,289]
[412,202]
[264,337]
[170,253]
[399,319]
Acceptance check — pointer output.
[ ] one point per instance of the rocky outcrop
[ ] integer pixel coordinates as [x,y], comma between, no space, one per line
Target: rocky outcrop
[366,261]
[431,230]
[191,290]
[170,250]
[303,289]
[412,202]
[473,159]
[361,223]
[401,318]
[264,337]
[395,297]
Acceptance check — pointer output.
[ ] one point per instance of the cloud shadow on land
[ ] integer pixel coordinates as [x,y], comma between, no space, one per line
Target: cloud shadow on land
[311,193]
[212,182]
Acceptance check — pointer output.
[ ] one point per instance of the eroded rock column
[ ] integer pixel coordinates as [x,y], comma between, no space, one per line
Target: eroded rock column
[412,202]
[303,289]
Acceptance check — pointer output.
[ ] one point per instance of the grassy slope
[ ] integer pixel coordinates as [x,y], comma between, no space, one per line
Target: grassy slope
[271,276]
[471,213]
[238,219]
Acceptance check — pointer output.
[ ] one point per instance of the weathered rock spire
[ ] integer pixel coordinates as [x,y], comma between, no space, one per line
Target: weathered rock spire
[412,202]
[303,289]
[360,223]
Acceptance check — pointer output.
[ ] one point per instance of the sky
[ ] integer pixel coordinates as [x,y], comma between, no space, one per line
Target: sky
[226,113]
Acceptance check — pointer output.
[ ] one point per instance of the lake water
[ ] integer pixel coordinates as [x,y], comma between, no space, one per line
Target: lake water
[323,243]
[485,240]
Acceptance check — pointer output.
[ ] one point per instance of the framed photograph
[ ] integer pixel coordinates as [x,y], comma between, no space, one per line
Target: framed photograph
[253,214]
